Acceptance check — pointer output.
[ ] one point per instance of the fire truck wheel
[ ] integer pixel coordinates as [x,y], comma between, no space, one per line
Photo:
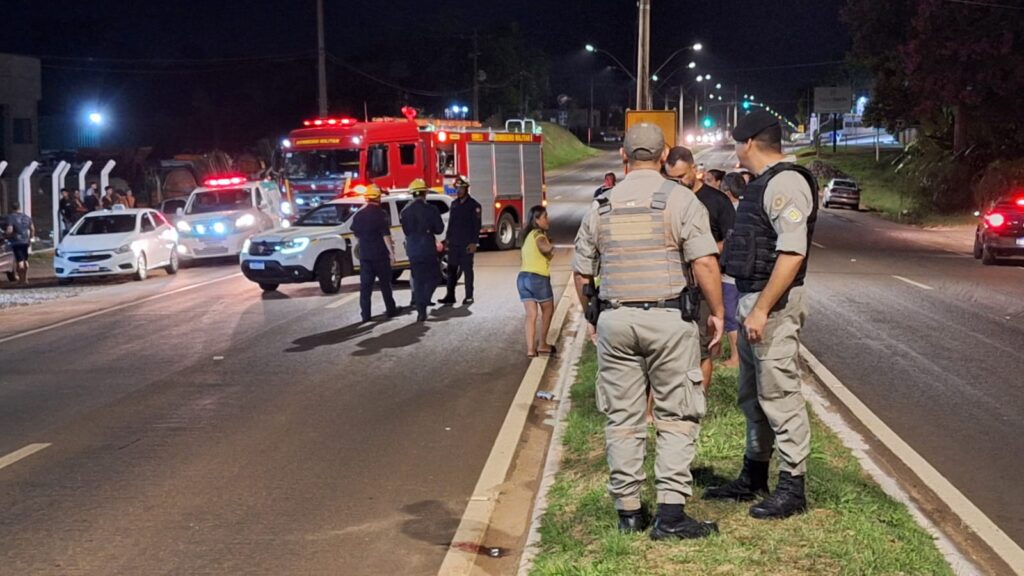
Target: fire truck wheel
[328,273]
[505,232]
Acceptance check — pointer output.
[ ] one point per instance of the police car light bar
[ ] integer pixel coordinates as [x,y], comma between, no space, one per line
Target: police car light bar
[226,180]
[330,122]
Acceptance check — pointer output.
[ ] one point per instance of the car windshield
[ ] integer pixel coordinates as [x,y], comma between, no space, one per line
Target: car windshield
[219,201]
[322,164]
[844,184]
[171,206]
[105,224]
[329,215]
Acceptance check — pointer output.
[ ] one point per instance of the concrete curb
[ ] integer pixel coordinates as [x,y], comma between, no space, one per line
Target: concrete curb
[968,513]
[461,556]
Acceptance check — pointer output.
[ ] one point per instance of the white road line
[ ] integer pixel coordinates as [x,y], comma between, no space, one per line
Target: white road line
[343,300]
[21,453]
[114,308]
[970,514]
[912,283]
[559,197]
[816,245]
[477,517]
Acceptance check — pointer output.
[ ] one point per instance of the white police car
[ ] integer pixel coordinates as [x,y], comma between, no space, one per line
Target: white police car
[220,216]
[119,241]
[319,247]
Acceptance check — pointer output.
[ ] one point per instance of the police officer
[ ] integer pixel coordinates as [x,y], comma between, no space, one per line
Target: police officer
[463,238]
[767,255]
[372,228]
[421,223]
[641,237]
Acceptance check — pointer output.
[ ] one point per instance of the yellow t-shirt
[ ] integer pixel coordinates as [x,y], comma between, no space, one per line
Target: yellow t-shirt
[534,260]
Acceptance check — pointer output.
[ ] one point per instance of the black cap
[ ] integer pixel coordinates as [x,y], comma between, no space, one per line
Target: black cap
[753,124]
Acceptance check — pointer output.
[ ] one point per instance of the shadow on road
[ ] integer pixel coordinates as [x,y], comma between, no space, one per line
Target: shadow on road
[446,313]
[406,336]
[333,337]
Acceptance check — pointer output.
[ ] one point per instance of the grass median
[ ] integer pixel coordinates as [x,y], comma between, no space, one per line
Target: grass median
[852,526]
[562,148]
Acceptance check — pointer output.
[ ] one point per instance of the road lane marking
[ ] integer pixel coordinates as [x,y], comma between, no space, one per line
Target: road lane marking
[559,197]
[912,283]
[115,308]
[970,514]
[815,244]
[477,516]
[21,453]
[343,300]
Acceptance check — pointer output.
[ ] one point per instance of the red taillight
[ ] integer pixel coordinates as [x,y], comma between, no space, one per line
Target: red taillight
[1020,201]
[995,220]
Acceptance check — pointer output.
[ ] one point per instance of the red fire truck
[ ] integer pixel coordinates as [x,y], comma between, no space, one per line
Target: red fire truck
[328,156]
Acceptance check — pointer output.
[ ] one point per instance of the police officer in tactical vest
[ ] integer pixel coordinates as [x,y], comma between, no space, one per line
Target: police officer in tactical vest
[645,237]
[767,255]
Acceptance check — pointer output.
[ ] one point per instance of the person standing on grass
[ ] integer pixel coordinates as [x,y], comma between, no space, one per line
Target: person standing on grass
[733,186]
[534,281]
[20,231]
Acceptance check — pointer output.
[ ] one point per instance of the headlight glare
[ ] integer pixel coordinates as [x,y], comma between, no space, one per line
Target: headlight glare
[245,220]
[295,245]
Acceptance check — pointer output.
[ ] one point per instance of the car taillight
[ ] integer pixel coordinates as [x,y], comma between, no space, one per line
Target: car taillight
[995,220]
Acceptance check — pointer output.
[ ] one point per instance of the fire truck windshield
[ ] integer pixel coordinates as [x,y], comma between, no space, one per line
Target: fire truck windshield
[314,164]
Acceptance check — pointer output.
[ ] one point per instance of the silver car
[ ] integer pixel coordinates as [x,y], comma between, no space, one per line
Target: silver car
[842,192]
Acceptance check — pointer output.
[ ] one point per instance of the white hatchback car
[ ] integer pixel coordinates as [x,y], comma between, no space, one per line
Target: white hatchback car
[113,242]
[221,216]
[320,248]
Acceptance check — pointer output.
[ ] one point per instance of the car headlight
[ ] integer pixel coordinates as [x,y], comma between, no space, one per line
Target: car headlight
[56,253]
[244,221]
[123,249]
[286,224]
[300,201]
[245,245]
[184,226]
[286,208]
[219,227]
[295,245]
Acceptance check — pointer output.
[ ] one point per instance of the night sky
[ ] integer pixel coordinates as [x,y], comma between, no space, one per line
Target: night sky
[175,57]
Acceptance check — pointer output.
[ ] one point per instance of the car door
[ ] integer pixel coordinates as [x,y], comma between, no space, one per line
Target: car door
[167,236]
[394,212]
[148,239]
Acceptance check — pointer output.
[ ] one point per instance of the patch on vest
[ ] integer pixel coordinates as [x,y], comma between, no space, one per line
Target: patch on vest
[794,215]
[779,203]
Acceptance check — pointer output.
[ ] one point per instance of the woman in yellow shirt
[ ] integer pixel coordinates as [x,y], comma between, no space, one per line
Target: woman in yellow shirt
[534,281]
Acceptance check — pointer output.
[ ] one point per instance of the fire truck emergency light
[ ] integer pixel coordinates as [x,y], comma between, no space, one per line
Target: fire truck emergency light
[442,136]
[329,122]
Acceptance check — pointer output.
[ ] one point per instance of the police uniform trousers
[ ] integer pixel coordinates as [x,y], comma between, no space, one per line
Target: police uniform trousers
[769,386]
[636,347]
[379,270]
[425,272]
[460,261]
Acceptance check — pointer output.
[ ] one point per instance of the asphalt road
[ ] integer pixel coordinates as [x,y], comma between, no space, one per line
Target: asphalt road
[215,430]
[930,340]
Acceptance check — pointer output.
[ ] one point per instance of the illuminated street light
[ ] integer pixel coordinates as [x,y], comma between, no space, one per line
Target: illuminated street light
[718,86]
[590,48]
[698,47]
[654,78]
[691,65]
[700,78]
[96,118]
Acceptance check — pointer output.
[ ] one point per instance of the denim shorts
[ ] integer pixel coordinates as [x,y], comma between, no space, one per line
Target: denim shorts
[534,287]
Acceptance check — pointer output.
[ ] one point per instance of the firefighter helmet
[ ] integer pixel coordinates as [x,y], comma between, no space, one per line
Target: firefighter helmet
[460,182]
[418,184]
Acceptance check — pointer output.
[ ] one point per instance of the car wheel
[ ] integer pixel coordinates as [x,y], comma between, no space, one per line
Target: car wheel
[328,273]
[62,281]
[175,263]
[987,257]
[977,248]
[396,275]
[266,287]
[505,232]
[141,271]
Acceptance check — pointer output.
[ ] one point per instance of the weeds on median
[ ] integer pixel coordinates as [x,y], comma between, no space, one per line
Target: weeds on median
[852,527]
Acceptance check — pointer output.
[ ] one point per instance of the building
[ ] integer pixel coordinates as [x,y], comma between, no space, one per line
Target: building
[20,92]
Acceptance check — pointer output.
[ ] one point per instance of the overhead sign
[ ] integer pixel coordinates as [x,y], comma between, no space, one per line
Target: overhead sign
[833,100]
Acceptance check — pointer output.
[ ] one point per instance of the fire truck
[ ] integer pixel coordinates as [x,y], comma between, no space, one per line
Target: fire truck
[329,156]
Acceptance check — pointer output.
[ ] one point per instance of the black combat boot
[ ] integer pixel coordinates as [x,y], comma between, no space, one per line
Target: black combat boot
[633,521]
[787,500]
[751,484]
[672,522]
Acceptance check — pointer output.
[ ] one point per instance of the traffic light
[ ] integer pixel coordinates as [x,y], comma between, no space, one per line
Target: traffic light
[746,105]
[708,122]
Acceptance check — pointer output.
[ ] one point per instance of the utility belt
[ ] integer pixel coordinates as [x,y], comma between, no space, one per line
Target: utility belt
[673,304]
[688,304]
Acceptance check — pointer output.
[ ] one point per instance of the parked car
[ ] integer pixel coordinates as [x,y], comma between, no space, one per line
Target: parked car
[842,192]
[117,242]
[1000,231]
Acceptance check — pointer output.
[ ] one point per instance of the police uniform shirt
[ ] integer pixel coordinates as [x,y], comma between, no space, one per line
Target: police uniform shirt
[788,203]
[464,222]
[421,222]
[689,227]
[370,225]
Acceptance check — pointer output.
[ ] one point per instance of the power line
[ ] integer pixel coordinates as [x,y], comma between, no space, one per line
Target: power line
[389,84]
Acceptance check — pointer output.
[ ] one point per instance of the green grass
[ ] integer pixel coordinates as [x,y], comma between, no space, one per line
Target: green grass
[562,148]
[853,528]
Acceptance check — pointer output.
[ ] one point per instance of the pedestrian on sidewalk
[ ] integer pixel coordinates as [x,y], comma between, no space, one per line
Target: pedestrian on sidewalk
[64,209]
[20,231]
[92,198]
[107,202]
[767,255]
[644,238]
[462,240]
[534,281]
[608,184]
[371,226]
[733,185]
[129,197]
[682,168]
[78,209]
[421,223]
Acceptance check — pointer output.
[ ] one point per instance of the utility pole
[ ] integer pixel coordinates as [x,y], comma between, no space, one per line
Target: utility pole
[321,59]
[590,116]
[476,75]
[682,124]
[643,57]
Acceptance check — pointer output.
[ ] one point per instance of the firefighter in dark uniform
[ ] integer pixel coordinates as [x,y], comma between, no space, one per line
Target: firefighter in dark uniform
[767,255]
[372,228]
[463,238]
[421,223]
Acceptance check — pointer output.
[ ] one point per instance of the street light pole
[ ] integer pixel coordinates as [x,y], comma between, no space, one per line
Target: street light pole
[321,59]
[643,56]
[590,117]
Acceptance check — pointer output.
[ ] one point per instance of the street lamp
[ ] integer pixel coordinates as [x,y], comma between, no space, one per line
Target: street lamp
[654,78]
[96,118]
[718,86]
[691,65]
[594,49]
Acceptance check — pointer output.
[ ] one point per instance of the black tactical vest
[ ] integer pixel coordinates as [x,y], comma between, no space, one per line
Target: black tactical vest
[750,251]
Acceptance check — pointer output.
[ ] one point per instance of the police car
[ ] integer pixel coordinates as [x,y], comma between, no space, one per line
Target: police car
[319,246]
[115,242]
[222,215]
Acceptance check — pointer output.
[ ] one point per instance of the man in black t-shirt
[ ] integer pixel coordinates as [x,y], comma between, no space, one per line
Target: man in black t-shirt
[681,167]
